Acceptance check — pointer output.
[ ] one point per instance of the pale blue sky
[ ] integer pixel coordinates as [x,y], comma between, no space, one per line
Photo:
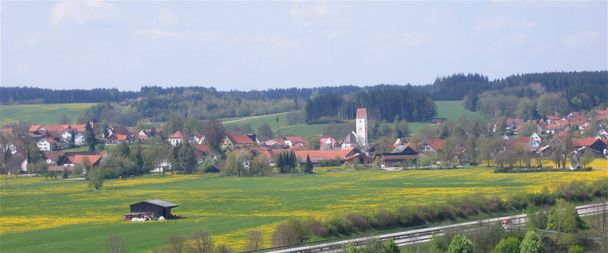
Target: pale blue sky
[257,45]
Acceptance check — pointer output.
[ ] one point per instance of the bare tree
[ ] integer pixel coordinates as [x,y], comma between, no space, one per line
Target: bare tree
[285,235]
[201,242]
[223,248]
[177,244]
[255,240]
[116,245]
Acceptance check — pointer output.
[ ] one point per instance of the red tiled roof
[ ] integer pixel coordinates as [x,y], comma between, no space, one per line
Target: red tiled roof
[121,137]
[50,140]
[361,113]
[323,155]
[177,135]
[264,152]
[436,144]
[204,148]
[240,139]
[77,159]
[553,118]
[55,127]
[584,142]
[53,155]
[79,127]
[33,128]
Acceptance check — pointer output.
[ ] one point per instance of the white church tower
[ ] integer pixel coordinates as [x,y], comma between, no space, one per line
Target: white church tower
[361,126]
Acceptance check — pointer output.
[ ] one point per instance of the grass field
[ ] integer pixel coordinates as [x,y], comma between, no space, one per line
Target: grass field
[65,216]
[41,113]
[451,110]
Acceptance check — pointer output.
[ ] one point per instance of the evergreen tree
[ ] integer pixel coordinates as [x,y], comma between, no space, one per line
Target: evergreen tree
[90,137]
[308,168]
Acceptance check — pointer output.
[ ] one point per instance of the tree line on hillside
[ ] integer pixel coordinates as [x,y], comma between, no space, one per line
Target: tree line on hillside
[578,90]
[9,95]
[386,104]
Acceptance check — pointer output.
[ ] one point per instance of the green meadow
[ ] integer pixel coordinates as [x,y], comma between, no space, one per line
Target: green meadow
[38,215]
[41,113]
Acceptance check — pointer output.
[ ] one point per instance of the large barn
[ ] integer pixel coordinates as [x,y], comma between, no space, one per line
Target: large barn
[153,209]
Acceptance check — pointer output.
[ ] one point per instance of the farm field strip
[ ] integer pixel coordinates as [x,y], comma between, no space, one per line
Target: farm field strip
[60,211]
[41,113]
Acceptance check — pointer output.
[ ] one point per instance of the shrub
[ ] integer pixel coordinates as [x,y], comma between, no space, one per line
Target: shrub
[576,249]
[384,219]
[409,217]
[287,234]
[358,221]
[532,243]
[460,244]
[314,227]
[337,226]
[391,247]
[507,245]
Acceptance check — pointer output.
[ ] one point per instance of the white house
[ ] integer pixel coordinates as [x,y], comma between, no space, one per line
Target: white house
[47,144]
[177,138]
[79,140]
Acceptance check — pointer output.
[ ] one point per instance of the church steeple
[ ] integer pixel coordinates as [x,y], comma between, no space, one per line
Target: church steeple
[361,127]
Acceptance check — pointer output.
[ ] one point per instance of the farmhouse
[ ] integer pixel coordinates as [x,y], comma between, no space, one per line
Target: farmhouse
[596,145]
[151,209]
[71,159]
[400,156]
[177,138]
[236,141]
[47,144]
[350,155]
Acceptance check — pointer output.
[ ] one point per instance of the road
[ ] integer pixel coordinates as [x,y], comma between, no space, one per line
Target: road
[426,234]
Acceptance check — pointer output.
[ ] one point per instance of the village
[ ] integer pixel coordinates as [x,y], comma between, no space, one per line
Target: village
[55,142]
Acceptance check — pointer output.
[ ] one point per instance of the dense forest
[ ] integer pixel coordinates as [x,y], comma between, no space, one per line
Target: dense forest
[382,102]
[31,95]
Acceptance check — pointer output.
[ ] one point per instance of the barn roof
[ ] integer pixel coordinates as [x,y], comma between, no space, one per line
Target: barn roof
[240,139]
[160,203]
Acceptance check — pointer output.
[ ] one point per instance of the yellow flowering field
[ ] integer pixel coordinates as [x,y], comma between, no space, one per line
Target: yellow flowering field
[66,216]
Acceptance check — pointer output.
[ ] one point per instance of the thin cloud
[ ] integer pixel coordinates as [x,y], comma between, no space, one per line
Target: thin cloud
[306,13]
[65,12]
[502,23]
[581,39]
[162,27]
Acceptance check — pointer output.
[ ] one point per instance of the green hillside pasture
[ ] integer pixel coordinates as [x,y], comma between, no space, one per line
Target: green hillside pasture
[41,113]
[451,110]
[37,215]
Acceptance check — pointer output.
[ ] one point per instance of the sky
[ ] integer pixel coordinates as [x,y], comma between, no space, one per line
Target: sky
[260,45]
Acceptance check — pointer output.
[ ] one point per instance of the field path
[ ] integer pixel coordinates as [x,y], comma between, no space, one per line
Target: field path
[254,117]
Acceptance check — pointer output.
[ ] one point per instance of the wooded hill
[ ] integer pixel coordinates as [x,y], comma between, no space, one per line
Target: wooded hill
[580,90]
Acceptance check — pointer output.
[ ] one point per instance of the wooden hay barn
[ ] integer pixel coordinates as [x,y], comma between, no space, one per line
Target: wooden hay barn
[152,209]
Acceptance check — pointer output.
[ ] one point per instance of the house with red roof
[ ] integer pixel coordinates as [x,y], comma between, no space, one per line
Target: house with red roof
[344,156]
[177,138]
[72,159]
[201,151]
[238,141]
[431,145]
[594,144]
[116,138]
[295,142]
